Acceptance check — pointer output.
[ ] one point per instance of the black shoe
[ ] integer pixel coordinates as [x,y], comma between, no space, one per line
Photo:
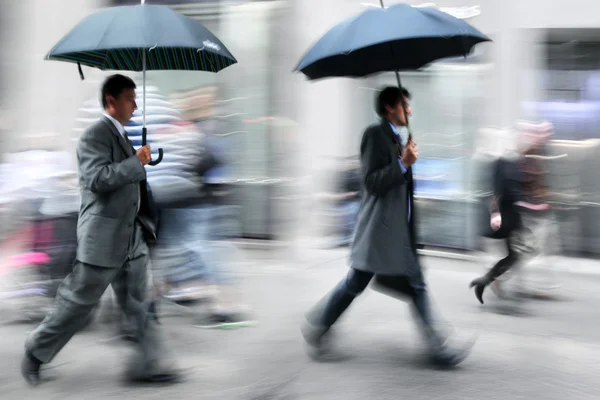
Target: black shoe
[162,378]
[129,338]
[480,284]
[30,369]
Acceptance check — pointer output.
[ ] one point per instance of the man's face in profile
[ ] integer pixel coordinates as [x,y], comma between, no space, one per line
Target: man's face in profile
[124,105]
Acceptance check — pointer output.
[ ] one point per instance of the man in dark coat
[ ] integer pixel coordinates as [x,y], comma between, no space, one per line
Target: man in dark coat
[384,244]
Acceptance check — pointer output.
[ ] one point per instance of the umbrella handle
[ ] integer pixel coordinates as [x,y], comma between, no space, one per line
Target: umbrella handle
[160,151]
[159,159]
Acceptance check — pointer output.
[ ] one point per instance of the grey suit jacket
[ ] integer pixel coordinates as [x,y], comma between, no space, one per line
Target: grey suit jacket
[383,241]
[111,178]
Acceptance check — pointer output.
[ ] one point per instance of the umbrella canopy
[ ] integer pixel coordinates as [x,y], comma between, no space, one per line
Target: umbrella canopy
[142,38]
[116,38]
[396,38]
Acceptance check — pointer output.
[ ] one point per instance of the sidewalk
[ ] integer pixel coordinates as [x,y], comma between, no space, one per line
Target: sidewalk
[552,354]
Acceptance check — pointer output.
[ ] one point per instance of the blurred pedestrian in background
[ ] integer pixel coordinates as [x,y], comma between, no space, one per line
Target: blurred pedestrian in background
[519,202]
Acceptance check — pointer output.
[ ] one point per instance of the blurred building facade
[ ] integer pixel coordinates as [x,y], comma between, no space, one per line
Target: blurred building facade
[282,132]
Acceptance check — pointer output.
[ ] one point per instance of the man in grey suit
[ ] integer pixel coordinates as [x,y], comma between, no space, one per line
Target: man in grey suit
[384,244]
[114,224]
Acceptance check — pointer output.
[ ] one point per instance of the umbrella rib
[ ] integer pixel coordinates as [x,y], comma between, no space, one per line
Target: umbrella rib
[184,58]
[214,67]
[110,25]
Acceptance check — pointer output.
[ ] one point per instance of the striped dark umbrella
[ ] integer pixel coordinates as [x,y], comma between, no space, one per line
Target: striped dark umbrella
[142,38]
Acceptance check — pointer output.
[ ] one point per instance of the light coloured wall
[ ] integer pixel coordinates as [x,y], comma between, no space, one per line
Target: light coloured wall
[327,126]
[42,97]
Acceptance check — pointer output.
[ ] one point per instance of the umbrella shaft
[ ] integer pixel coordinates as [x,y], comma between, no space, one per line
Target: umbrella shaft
[144,88]
[144,97]
[144,92]
[400,87]
[403,108]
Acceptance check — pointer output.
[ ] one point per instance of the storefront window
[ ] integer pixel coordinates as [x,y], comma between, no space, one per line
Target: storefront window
[570,99]
[570,87]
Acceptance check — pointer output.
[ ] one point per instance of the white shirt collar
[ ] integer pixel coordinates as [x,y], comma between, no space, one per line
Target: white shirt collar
[117,124]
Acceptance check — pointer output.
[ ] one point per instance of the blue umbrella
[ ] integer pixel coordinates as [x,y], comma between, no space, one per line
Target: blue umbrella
[396,38]
[141,38]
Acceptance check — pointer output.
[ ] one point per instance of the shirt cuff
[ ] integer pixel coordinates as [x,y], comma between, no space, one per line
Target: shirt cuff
[402,167]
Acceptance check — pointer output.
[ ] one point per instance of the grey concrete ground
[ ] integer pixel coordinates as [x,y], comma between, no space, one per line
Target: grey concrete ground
[550,350]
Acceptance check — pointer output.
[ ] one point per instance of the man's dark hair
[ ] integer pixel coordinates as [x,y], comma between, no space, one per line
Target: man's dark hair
[389,96]
[114,86]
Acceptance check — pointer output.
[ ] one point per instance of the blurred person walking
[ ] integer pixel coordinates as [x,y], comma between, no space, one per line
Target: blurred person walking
[343,201]
[384,245]
[518,205]
[115,221]
[195,218]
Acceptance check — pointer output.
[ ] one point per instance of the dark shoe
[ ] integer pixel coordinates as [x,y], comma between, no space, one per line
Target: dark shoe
[480,284]
[150,373]
[162,378]
[129,338]
[30,369]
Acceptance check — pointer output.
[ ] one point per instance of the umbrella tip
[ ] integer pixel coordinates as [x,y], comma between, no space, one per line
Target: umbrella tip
[80,71]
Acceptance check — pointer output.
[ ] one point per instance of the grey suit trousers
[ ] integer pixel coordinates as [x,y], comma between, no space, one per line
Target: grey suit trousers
[81,291]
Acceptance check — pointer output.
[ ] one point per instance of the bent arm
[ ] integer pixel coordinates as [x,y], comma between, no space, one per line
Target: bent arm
[379,175]
[98,172]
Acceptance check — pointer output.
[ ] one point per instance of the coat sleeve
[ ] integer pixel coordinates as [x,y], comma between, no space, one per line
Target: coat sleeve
[513,186]
[498,180]
[379,173]
[97,170]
